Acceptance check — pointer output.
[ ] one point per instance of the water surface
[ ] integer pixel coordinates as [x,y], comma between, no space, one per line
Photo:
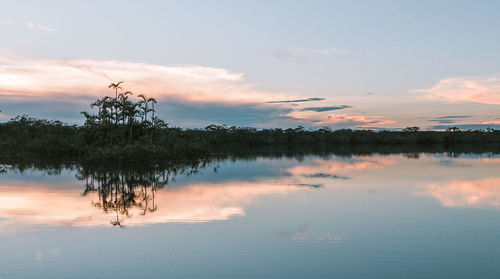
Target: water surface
[378,216]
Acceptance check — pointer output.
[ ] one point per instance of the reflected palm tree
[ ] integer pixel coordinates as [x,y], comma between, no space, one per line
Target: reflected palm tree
[119,190]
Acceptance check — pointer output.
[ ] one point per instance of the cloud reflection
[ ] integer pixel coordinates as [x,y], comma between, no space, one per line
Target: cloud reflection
[193,203]
[134,199]
[466,193]
[329,168]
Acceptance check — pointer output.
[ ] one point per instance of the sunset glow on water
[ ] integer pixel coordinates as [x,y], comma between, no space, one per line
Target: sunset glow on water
[359,214]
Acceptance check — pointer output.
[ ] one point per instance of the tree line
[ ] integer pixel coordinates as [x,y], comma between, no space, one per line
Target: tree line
[124,128]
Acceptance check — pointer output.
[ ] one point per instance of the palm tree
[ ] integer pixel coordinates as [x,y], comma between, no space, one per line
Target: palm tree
[98,103]
[90,119]
[123,97]
[153,102]
[116,86]
[130,111]
[145,109]
[105,104]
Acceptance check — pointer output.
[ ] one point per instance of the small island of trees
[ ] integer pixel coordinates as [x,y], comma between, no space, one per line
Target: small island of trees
[126,128]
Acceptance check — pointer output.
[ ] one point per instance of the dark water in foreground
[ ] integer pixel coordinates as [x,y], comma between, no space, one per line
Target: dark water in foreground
[395,216]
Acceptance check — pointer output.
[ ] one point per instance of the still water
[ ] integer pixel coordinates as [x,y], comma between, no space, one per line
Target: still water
[378,216]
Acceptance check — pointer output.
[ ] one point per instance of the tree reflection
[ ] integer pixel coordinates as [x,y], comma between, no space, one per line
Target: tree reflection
[119,190]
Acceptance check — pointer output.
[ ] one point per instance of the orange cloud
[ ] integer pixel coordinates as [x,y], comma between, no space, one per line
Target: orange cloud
[478,90]
[22,76]
[466,193]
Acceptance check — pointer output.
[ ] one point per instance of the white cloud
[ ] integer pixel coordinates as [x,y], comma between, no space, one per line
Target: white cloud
[301,53]
[40,27]
[30,25]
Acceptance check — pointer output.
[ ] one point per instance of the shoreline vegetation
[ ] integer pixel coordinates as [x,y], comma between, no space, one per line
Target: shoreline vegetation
[120,128]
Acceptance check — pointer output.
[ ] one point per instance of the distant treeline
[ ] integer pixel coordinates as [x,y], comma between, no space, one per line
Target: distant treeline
[24,136]
[127,130]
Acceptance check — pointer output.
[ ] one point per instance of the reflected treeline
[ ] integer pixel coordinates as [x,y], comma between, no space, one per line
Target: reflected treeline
[54,165]
[118,188]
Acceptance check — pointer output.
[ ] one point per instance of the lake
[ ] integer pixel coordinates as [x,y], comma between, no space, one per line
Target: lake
[414,215]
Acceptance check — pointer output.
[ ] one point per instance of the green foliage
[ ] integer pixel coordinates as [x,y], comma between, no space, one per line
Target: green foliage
[411,129]
[23,135]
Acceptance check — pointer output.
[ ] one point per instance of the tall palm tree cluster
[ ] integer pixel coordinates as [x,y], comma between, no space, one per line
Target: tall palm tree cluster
[121,110]
[121,118]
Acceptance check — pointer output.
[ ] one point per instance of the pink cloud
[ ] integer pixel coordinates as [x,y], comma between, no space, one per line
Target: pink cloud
[334,166]
[22,76]
[327,118]
[493,122]
[360,119]
[474,89]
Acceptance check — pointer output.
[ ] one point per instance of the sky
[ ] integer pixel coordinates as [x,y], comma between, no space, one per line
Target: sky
[337,64]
